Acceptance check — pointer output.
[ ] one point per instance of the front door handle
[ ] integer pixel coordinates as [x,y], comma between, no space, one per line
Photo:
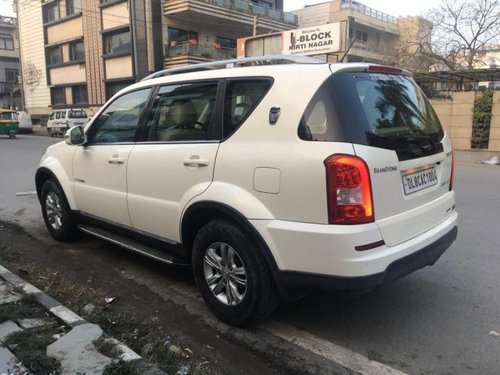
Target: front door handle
[195,161]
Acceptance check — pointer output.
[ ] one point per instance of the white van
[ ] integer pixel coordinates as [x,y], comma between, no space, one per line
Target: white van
[25,124]
[63,119]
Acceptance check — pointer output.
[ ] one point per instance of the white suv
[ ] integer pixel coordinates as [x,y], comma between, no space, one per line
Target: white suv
[269,176]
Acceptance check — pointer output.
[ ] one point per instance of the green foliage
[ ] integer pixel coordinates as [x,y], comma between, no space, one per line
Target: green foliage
[482,119]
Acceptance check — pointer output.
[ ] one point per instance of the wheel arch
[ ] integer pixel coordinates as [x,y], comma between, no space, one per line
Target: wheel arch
[43,174]
[200,213]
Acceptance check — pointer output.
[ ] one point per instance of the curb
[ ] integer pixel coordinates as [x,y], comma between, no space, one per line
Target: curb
[70,318]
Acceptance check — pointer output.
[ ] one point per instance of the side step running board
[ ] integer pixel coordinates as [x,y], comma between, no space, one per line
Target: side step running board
[133,245]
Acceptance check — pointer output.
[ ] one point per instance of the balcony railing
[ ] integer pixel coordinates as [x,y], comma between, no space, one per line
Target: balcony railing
[202,50]
[356,6]
[248,7]
[8,20]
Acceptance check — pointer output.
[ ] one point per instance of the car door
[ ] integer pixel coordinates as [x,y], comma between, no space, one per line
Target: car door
[100,167]
[176,159]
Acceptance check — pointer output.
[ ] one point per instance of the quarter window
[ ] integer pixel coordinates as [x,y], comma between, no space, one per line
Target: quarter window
[182,112]
[120,120]
[242,96]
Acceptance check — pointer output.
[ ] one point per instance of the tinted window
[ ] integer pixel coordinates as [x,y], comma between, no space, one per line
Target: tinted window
[120,119]
[241,97]
[77,114]
[182,112]
[380,110]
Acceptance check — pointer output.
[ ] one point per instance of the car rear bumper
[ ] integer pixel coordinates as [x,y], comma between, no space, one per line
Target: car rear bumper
[290,280]
[331,249]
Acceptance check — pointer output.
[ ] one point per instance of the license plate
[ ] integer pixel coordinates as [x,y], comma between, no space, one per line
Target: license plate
[420,180]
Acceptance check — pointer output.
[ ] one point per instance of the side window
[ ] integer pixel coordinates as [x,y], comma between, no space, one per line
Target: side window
[63,114]
[241,98]
[52,116]
[120,120]
[182,112]
[58,115]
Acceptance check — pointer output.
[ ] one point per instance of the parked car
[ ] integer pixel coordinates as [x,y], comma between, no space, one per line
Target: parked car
[63,119]
[270,176]
[25,124]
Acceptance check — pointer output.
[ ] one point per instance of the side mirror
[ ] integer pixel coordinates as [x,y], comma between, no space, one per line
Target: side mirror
[75,136]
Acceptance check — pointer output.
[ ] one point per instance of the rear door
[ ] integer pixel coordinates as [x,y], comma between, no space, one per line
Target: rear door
[175,160]
[394,129]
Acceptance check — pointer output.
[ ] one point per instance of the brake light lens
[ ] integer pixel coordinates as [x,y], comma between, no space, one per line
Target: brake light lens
[349,191]
[452,176]
[384,69]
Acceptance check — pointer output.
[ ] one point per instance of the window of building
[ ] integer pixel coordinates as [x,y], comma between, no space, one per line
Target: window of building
[176,36]
[76,51]
[54,55]
[113,87]
[58,96]
[225,43]
[73,6]
[11,75]
[51,11]
[120,120]
[6,41]
[117,42]
[263,3]
[361,37]
[80,94]
[182,112]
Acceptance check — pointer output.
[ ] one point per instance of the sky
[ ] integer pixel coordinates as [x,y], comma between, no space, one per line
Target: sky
[392,7]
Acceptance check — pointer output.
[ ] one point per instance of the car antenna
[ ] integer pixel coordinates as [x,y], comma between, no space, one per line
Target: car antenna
[346,52]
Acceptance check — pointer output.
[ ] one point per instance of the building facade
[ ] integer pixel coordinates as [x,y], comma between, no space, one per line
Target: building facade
[205,30]
[78,53]
[370,35]
[9,64]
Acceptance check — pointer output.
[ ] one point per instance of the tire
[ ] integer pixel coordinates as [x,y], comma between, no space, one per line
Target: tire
[226,259]
[56,212]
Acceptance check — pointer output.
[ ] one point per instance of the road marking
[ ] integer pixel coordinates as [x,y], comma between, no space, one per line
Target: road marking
[24,193]
[332,352]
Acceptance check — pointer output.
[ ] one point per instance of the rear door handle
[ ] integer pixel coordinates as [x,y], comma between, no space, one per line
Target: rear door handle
[116,161]
[195,161]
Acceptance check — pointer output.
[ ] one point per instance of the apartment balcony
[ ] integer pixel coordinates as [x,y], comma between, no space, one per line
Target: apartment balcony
[370,17]
[178,54]
[229,16]
[363,52]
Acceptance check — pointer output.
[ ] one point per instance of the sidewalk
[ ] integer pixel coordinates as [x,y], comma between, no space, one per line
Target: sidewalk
[36,328]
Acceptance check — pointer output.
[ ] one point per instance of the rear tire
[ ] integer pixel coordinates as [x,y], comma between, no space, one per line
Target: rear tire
[232,275]
[56,212]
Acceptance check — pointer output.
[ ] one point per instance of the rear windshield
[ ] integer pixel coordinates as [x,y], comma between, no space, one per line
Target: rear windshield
[380,110]
[77,114]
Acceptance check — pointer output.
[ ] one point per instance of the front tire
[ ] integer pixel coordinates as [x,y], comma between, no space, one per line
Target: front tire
[56,212]
[232,275]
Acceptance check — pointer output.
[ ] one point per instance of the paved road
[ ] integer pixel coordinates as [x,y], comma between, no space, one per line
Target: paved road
[436,321]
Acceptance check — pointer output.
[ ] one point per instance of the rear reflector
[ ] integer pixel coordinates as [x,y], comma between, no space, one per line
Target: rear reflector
[349,192]
[452,175]
[370,246]
[384,69]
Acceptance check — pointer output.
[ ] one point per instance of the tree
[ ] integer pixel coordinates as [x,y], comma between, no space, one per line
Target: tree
[463,31]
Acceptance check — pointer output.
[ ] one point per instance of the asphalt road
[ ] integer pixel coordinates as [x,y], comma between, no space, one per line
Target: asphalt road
[435,321]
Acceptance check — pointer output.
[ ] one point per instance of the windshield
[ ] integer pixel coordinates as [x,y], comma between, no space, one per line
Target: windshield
[380,110]
[77,114]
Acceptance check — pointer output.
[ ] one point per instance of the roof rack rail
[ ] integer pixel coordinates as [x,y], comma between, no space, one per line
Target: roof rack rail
[233,63]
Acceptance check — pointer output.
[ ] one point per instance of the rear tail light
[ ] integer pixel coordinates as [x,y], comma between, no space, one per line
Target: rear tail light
[349,190]
[452,176]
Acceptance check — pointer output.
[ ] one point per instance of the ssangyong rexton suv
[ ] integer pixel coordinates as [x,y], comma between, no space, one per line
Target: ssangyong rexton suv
[267,175]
